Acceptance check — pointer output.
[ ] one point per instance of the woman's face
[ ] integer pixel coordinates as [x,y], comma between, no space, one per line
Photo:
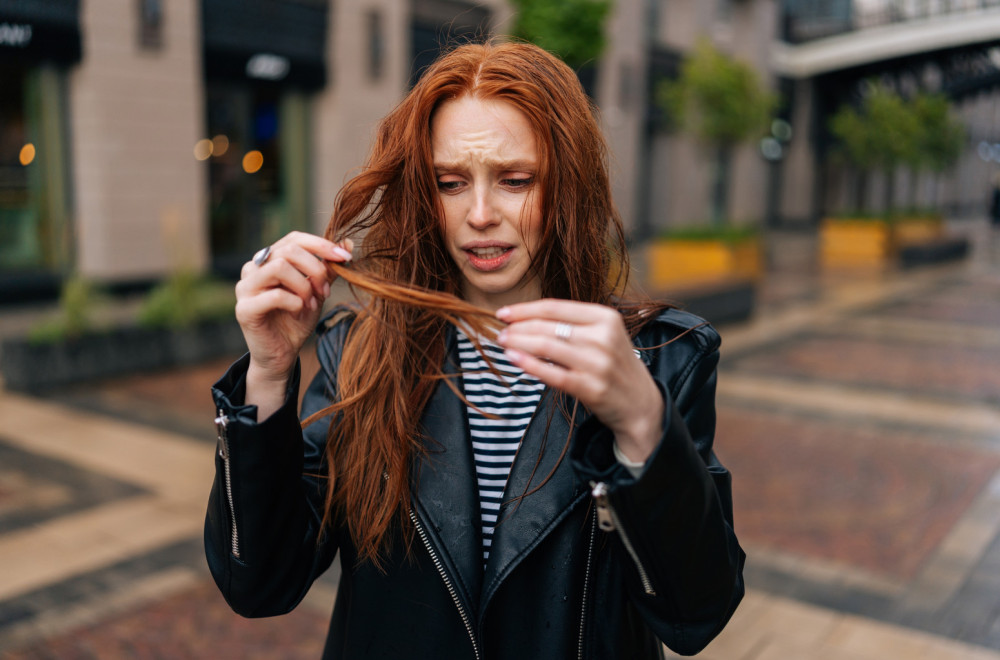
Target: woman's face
[486,164]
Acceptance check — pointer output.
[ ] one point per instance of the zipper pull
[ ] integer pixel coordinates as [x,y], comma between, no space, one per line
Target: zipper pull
[600,494]
[221,424]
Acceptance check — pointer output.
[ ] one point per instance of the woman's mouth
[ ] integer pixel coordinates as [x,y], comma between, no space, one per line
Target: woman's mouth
[488,252]
[490,257]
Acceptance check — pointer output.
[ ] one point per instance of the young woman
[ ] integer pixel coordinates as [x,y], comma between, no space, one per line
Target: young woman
[557,498]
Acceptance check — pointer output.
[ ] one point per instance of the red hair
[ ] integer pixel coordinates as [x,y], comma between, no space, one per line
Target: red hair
[394,351]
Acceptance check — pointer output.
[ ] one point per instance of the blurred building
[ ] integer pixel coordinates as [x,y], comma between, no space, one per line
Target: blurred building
[817,55]
[829,52]
[139,137]
[673,170]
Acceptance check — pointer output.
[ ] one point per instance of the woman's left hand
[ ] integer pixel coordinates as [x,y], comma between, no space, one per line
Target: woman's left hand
[584,350]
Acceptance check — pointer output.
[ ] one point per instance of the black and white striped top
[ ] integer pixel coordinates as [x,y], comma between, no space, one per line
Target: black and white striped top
[495,441]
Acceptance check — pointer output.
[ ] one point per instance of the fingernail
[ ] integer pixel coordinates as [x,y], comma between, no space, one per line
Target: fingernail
[514,354]
[342,253]
[502,337]
[503,313]
[313,303]
[326,289]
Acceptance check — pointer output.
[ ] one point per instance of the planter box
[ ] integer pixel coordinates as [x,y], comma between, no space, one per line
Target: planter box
[31,367]
[873,243]
[720,302]
[688,263]
[914,231]
[933,252]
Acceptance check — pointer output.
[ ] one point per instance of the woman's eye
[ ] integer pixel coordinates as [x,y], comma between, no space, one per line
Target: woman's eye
[447,186]
[518,182]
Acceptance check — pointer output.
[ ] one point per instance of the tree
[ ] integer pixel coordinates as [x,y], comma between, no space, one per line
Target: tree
[722,102]
[887,131]
[881,134]
[940,138]
[572,29]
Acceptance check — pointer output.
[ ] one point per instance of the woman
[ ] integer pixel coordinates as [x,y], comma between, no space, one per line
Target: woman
[558,498]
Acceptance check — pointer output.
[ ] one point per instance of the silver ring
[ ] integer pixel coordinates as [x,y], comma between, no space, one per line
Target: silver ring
[564,331]
[261,256]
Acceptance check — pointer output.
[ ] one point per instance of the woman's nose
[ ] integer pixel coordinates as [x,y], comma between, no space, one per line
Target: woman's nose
[483,212]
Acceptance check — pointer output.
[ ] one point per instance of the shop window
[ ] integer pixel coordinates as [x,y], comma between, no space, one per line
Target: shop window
[724,11]
[256,151]
[376,44]
[150,24]
[32,169]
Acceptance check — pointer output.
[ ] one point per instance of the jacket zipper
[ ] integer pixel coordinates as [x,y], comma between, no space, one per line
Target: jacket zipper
[608,521]
[447,583]
[221,425]
[586,586]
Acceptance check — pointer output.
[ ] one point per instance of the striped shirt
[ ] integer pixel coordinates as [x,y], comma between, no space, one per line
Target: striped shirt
[512,400]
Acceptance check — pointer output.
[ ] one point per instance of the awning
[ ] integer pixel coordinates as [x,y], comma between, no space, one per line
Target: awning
[267,41]
[40,30]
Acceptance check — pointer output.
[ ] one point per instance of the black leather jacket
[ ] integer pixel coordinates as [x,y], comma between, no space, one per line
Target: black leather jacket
[571,574]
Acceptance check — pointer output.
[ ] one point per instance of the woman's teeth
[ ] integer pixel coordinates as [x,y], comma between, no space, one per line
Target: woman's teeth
[488,252]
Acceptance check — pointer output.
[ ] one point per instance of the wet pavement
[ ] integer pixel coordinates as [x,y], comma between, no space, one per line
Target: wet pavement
[859,414]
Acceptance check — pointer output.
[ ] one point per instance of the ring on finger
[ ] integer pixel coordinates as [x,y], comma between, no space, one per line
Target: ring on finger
[261,256]
[564,331]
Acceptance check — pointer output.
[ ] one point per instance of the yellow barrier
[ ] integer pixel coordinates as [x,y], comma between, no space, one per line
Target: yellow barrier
[678,262]
[868,243]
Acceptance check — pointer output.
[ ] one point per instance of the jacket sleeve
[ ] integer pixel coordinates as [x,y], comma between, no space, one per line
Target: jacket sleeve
[674,523]
[263,528]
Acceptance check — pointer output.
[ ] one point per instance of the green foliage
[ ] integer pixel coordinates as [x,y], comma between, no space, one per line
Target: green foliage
[891,217]
[940,139]
[881,134]
[572,29]
[719,99]
[730,234]
[858,216]
[78,301]
[185,299]
[888,131]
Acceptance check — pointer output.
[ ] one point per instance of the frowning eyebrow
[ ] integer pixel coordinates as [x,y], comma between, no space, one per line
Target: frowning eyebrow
[523,165]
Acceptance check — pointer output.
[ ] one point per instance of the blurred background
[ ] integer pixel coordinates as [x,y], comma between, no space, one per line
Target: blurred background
[818,178]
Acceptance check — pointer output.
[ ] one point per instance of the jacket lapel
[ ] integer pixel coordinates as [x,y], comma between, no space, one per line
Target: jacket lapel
[524,523]
[446,499]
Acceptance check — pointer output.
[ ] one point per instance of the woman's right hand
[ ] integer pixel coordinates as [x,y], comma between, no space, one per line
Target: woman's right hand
[278,304]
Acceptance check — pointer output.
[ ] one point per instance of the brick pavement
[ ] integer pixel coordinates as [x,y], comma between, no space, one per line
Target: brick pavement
[190,624]
[874,497]
[859,420]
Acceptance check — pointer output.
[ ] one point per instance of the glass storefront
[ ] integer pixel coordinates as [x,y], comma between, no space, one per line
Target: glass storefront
[39,39]
[33,181]
[260,73]
[257,161]
[19,242]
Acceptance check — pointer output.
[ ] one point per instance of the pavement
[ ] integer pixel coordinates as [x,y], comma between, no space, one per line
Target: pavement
[858,412]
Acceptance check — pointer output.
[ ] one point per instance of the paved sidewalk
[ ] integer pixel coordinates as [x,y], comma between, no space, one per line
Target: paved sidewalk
[860,417]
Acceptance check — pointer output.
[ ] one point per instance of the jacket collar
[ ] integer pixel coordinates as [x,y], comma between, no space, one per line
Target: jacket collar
[447,499]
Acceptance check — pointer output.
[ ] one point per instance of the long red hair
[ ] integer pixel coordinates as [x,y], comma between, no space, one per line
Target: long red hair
[394,351]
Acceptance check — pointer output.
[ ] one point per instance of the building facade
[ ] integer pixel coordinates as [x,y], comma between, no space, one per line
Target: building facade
[185,135]
[140,137]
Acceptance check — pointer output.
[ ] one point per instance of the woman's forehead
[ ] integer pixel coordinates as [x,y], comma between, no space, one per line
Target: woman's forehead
[492,132]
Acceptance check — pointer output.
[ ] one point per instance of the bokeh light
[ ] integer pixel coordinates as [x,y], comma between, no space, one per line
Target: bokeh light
[27,154]
[220,145]
[203,149]
[252,161]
